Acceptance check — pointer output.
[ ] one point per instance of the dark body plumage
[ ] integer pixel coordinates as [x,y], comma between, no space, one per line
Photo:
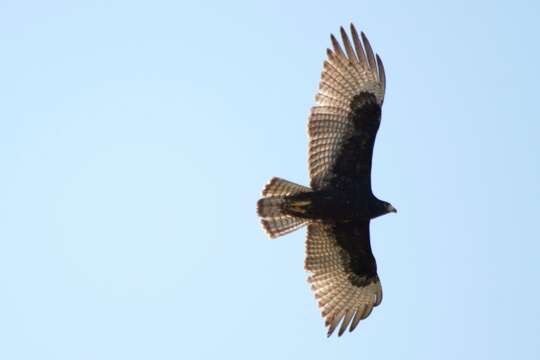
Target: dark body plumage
[340,203]
[348,195]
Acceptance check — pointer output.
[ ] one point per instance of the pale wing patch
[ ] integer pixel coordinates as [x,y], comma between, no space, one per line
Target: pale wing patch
[345,74]
[279,226]
[340,301]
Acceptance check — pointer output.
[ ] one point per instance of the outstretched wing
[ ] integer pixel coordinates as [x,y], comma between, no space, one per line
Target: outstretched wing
[344,273]
[344,123]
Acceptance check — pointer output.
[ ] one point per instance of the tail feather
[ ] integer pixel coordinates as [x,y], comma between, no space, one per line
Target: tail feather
[271,207]
[280,187]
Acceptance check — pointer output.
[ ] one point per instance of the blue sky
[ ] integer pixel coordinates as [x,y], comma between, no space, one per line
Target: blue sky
[135,138]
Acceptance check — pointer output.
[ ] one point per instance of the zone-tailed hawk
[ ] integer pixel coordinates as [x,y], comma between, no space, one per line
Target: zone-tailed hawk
[339,205]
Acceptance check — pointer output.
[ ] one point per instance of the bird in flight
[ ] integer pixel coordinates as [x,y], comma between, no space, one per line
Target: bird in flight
[339,204]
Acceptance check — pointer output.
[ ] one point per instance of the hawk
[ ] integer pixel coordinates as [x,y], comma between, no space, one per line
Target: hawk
[339,204]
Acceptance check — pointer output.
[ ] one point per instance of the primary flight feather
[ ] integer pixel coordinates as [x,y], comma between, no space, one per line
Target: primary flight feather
[339,205]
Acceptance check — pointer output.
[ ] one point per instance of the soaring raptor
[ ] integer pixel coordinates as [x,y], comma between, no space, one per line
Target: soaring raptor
[339,205]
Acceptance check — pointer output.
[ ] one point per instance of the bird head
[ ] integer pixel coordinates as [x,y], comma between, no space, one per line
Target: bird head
[390,208]
[381,208]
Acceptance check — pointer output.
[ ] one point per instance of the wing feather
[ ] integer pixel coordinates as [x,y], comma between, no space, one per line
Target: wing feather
[343,273]
[346,74]
[326,99]
[369,51]
[382,75]
[347,44]
[337,47]
[357,316]
[360,54]
[346,321]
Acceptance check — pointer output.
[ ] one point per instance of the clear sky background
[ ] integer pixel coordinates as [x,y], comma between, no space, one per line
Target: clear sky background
[135,138]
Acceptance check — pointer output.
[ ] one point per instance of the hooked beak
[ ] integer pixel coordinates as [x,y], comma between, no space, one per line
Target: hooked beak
[392,209]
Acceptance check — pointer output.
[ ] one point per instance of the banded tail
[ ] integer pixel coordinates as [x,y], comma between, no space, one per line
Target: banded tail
[272,207]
